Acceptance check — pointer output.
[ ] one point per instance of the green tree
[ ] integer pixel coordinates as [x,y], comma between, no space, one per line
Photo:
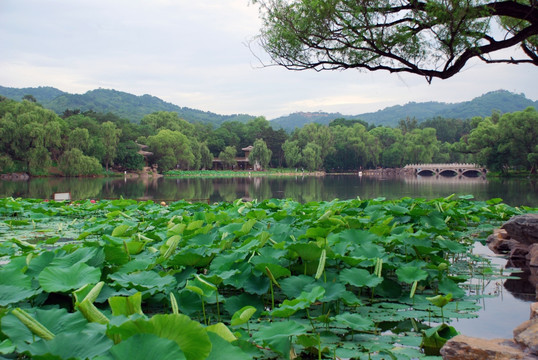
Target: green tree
[519,136]
[78,138]
[260,154]
[483,142]
[6,164]
[111,137]
[227,156]
[127,156]
[171,149]
[206,158]
[312,156]
[74,163]
[29,134]
[434,39]
[391,145]
[292,152]
[420,145]
[168,120]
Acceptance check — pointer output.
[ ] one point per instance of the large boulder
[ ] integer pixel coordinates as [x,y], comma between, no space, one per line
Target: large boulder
[523,228]
[470,348]
[524,345]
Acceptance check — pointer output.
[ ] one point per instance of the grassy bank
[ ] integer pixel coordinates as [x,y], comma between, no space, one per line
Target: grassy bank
[240,173]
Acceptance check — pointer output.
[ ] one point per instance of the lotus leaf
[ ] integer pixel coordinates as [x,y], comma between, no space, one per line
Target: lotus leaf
[410,274]
[359,278]
[64,279]
[144,280]
[192,339]
[145,346]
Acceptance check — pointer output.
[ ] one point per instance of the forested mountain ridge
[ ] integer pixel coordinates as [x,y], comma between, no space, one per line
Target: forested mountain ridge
[122,104]
[133,107]
[501,100]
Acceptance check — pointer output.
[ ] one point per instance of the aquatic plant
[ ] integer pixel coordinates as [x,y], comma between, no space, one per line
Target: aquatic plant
[273,279]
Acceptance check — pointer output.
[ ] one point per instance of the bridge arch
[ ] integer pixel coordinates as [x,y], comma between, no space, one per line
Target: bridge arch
[473,172]
[448,172]
[425,172]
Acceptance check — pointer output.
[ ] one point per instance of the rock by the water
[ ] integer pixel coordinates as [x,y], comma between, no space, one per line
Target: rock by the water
[532,256]
[523,228]
[527,336]
[500,242]
[470,348]
[524,345]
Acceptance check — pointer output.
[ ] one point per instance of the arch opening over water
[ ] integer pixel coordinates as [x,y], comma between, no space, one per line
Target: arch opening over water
[448,173]
[426,172]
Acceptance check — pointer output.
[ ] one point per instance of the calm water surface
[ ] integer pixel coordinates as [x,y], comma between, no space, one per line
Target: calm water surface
[499,315]
[303,189]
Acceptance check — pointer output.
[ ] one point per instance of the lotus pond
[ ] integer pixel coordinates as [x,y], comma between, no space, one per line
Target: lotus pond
[354,279]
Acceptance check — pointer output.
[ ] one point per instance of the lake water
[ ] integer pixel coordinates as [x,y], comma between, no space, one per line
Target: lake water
[500,313]
[303,189]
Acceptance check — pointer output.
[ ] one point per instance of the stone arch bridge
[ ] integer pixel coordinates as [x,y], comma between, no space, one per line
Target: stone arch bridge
[454,169]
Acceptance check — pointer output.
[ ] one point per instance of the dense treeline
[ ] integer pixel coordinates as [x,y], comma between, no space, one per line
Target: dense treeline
[37,141]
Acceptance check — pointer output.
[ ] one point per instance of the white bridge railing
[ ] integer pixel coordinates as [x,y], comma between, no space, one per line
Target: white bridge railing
[443,166]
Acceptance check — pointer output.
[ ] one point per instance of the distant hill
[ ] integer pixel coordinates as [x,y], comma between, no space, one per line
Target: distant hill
[500,100]
[120,103]
[299,119]
[134,107]
[43,94]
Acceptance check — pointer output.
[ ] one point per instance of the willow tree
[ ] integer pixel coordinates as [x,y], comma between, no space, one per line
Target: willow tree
[260,154]
[433,38]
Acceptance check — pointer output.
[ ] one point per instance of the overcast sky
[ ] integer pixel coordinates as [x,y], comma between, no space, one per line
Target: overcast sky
[194,53]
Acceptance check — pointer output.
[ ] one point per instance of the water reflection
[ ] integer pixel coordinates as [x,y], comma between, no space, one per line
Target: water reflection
[303,189]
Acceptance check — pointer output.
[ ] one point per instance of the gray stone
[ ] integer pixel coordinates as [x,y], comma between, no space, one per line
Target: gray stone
[527,335]
[523,346]
[470,348]
[523,228]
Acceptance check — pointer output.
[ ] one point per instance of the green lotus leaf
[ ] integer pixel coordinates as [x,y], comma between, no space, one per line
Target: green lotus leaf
[277,335]
[434,338]
[359,278]
[290,307]
[222,349]
[355,321]
[350,299]
[143,280]
[440,300]
[448,286]
[243,315]
[192,339]
[92,256]
[146,346]
[258,285]
[307,252]
[451,245]
[10,294]
[55,320]
[12,273]
[64,279]
[333,290]
[235,303]
[294,285]
[122,305]
[188,258]
[120,230]
[6,347]
[222,331]
[410,274]
[369,251]
[276,270]
[85,345]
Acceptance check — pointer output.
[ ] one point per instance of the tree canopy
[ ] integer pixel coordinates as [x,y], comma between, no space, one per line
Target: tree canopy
[434,38]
